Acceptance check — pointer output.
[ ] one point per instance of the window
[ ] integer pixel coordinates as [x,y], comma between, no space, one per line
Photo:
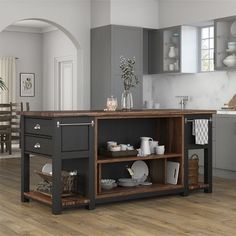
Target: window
[207,48]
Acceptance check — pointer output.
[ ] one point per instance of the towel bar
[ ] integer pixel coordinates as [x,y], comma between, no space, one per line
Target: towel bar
[186,120]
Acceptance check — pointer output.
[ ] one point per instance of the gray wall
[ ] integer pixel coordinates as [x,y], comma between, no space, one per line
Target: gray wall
[74,16]
[55,45]
[28,48]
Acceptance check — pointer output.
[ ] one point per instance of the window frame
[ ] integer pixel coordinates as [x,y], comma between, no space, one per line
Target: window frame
[200,48]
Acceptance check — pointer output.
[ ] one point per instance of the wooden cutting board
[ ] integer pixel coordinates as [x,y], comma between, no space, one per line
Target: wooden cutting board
[232,102]
[172,172]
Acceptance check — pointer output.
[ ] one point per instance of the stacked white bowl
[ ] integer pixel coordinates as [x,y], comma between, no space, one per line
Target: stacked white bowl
[232,46]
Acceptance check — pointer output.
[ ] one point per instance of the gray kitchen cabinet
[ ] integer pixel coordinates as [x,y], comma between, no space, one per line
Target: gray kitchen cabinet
[173,50]
[108,44]
[225,142]
[224,33]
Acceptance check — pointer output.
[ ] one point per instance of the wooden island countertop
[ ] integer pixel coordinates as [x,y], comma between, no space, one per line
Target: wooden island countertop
[118,113]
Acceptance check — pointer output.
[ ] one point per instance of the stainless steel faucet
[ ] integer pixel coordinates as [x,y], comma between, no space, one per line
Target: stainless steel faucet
[183,101]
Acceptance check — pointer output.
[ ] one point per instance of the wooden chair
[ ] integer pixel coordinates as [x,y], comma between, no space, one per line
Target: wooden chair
[15,122]
[5,127]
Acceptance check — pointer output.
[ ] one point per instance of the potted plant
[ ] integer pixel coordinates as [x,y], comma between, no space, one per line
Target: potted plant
[129,79]
[2,85]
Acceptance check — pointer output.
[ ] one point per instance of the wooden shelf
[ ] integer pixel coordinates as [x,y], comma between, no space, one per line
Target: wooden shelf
[198,186]
[102,159]
[66,201]
[124,191]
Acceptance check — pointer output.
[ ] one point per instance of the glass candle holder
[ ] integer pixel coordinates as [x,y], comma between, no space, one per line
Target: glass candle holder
[112,103]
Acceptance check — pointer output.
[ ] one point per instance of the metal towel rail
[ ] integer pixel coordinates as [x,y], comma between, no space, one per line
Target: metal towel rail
[186,120]
[75,124]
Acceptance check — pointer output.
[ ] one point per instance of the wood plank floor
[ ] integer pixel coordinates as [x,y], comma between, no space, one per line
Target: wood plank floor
[198,214]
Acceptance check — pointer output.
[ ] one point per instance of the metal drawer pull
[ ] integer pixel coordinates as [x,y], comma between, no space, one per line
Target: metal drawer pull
[37,145]
[75,124]
[37,126]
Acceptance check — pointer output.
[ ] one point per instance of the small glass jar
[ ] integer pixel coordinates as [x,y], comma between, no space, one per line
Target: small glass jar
[112,103]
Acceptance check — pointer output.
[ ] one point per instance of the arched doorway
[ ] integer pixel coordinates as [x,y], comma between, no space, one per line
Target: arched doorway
[57,84]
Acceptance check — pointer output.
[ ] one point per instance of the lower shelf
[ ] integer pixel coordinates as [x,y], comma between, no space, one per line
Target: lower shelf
[66,201]
[125,191]
[198,186]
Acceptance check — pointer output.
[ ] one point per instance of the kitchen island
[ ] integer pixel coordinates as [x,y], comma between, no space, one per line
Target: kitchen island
[73,140]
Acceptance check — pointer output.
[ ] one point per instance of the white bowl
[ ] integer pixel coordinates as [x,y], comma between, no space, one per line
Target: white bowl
[115,148]
[231,43]
[232,46]
[108,186]
[107,181]
[233,29]
[230,61]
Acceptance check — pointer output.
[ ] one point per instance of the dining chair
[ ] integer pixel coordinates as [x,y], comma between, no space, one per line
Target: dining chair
[5,127]
[15,122]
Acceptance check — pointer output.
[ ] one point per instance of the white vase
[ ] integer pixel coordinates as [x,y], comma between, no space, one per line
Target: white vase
[172,53]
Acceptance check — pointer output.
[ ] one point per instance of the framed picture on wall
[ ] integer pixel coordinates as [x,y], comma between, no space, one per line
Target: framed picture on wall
[27,84]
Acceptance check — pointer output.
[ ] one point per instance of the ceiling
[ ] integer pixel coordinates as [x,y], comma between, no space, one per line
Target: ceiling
[32,24]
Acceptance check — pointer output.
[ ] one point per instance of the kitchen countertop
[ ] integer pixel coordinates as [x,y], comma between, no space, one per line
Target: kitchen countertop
[118,113]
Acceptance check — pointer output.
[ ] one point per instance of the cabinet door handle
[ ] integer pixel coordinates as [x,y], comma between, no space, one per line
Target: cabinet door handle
[75,124]
[37,126]
[37,146]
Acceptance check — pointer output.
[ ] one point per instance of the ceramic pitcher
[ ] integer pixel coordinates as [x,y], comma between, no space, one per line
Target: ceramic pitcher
[172,53]
[145,146]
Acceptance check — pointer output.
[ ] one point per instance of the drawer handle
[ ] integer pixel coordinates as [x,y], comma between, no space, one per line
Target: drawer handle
[37,146]
[37,126]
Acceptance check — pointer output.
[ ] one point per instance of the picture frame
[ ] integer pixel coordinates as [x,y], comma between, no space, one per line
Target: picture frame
[27,84]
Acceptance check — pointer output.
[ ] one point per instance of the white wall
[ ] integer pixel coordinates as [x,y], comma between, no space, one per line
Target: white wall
[55,44]
[100,13]
[142,13]
[177,12]
[207,90]
[73,15]
[28,48]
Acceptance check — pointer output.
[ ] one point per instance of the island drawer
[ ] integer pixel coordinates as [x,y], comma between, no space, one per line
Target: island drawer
[38,145]
[38,126]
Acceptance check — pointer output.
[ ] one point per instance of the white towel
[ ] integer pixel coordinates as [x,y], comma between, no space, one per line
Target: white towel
[200,130]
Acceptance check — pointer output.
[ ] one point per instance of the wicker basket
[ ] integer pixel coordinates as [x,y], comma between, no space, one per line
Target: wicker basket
[68,182]
[193,166]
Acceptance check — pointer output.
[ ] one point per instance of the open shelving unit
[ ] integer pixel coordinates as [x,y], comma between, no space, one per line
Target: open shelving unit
[168,131]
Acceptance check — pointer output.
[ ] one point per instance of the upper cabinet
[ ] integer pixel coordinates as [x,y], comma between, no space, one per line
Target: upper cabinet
[173,50]
[225,43]
[108,44]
